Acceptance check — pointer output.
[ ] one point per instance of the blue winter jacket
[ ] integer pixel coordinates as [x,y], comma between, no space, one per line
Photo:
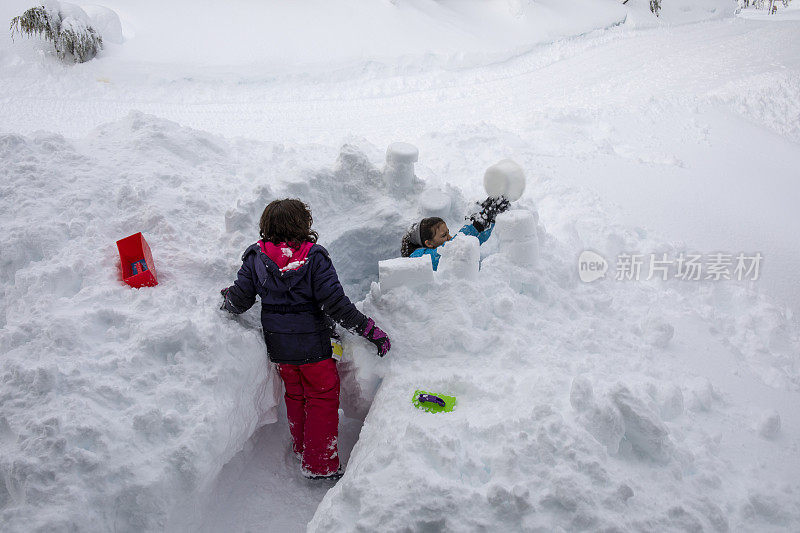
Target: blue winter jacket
[295,304]
[468,229]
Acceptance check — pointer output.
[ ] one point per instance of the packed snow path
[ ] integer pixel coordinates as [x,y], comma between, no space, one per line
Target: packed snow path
[110,401]
[260,489]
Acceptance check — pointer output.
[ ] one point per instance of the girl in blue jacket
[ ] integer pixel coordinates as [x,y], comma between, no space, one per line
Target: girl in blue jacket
[300,294]
[430,234]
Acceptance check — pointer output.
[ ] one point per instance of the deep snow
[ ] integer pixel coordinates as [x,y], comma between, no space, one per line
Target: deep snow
[614,404]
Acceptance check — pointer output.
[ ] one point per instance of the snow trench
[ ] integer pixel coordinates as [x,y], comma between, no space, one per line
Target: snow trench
[581,406]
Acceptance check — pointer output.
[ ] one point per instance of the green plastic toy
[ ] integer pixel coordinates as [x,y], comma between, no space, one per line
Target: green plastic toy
[433,403]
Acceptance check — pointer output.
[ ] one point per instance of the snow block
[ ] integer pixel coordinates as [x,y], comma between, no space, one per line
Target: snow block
[402,153]
[399,170]
[435,203]
[460,258]
[515,225]
[404,272]
[138,268]
[505,178]
[516,234]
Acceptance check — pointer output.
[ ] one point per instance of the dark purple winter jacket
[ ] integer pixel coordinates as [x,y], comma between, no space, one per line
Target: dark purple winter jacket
[295,304]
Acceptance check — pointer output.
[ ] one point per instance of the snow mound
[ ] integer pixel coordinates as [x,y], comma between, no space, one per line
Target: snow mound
[106,22]
[130,401]
[529,446]
[117,403]
[575,411]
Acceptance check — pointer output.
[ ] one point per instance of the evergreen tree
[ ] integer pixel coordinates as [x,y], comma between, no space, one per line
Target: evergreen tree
[72,37]
[655,6]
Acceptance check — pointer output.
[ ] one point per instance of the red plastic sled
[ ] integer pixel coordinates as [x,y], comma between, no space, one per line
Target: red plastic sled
[138,269]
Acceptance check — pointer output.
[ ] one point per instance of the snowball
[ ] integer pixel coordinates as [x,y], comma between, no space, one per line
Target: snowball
[106,22]
[435,203]
[505,178]
[460,258]
[399,170]
[770,425]
[404,272]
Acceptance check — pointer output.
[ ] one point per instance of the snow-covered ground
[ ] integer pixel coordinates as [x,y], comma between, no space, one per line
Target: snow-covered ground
[616,404]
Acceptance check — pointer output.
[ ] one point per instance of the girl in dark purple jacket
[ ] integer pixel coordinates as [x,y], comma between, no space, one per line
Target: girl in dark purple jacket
[300,294]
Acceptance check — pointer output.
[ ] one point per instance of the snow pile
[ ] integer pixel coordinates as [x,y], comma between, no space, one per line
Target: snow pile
[105,22]
[578,404]
[130,401]
[567,417]
[628,405]
[577,407]
[117,404]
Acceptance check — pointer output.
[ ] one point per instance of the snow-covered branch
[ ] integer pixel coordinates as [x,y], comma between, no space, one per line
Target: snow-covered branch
[65,25]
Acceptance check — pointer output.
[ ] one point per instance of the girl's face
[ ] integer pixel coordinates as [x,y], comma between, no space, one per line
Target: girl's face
[440,236]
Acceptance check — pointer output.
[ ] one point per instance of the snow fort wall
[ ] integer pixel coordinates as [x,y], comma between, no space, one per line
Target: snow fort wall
[358,220]
[404,272]
[460,259]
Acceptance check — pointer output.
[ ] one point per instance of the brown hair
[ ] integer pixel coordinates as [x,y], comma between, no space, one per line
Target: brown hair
[426,227]
[288,220]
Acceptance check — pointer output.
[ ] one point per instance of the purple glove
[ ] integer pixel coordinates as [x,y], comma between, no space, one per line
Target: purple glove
[224,293]
[376,336]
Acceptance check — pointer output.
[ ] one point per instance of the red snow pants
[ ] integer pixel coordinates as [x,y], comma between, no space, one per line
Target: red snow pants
[312,407]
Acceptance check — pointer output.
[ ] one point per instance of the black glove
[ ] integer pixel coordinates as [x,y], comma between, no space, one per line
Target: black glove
[490,208]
